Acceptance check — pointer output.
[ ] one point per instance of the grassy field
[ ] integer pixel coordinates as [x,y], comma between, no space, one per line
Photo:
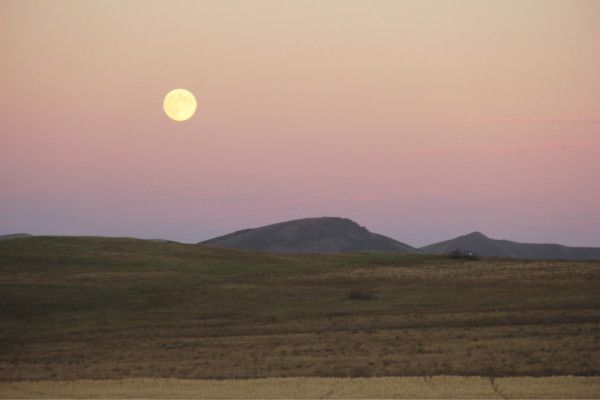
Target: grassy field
[437,387]
[101,308]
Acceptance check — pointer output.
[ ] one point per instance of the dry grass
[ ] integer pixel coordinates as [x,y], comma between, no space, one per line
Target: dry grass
[92,308]
[435,387]
[177,352]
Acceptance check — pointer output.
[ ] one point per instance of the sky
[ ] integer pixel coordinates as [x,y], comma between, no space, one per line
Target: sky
[421,120]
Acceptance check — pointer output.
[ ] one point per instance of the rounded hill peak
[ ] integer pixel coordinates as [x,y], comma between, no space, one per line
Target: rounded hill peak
[310,235]
[475,235]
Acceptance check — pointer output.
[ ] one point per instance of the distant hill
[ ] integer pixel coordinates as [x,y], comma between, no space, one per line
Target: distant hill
[482,245]
[14,236]
[310,235]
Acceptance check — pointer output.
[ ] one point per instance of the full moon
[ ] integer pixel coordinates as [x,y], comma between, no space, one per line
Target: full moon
[179,104]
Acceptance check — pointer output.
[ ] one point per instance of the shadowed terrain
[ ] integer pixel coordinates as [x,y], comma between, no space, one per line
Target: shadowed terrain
[338,235]
[14,236]
[100,308]
[310,235]
[482,245]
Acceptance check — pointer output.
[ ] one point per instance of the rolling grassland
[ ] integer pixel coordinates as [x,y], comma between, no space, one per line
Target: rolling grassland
[127,310]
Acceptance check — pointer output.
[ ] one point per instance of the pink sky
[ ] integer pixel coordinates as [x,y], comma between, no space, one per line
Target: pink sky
[422,120]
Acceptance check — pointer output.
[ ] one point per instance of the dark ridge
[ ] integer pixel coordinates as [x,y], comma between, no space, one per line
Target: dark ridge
[481,245]
[310,235]
[14,236]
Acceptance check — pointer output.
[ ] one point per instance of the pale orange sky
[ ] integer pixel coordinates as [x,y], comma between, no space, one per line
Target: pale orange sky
[418,119]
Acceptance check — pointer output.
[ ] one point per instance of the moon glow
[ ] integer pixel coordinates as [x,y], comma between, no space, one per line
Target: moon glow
[179,104]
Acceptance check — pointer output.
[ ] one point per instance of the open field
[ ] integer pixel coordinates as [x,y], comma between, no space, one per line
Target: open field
[314,388]
[101,308]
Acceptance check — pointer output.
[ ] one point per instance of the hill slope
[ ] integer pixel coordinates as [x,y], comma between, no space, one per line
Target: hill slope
[14,236]
[482,245]
[310,235]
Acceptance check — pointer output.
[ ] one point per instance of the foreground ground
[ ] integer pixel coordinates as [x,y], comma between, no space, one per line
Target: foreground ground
[315,388]
[98,308]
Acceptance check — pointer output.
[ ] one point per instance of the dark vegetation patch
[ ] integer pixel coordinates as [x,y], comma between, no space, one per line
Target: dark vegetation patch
[459,254]
[361,295]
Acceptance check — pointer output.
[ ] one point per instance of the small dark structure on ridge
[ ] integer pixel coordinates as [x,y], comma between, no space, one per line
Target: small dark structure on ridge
[459,254]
